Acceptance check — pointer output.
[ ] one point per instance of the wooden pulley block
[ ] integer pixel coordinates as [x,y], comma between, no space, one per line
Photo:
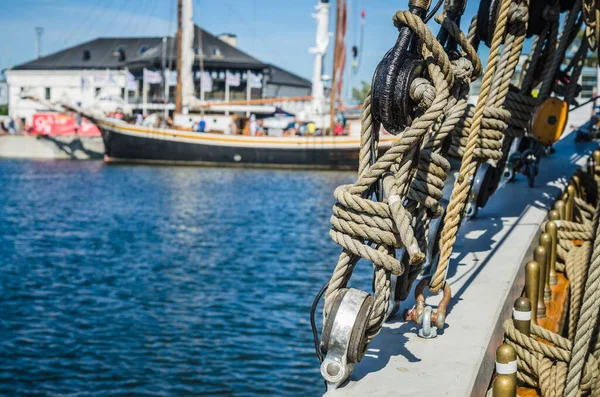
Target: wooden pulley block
[550,121]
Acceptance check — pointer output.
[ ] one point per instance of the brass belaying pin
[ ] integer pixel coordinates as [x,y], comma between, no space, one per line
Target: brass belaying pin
[506,361]
[590,166]
[560,207]
[570,204]
[532,280]
[539,255]
[596,156]
[522,316]
[552,230]
[546,242]
[577,184]
[554,215]
[504,386]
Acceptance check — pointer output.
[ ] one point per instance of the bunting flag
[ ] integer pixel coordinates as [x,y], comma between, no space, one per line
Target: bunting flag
[152,77]
[256,80]
[206,82]
[233,80]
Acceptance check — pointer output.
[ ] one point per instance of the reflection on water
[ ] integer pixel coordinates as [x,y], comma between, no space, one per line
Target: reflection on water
[160,280]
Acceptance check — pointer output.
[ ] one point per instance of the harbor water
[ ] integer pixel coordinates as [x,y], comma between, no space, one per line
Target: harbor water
[161,280]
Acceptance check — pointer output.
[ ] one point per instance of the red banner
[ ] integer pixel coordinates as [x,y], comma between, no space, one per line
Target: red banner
[62,124]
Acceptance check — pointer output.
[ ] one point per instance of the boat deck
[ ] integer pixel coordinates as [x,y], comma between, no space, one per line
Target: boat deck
[486,276]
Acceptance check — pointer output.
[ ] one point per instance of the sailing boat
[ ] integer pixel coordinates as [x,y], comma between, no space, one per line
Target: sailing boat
[135,143]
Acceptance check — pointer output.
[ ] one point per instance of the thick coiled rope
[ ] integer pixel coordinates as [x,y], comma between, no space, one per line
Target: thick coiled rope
[357,220]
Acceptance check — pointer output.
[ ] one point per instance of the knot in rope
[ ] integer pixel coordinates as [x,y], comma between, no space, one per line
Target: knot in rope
[462,69]
[518,13]
[422,92]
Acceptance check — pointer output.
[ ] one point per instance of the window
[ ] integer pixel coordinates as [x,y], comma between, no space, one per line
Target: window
[216,52]
[142,49]
[86,55]
[98,89]
[47,93]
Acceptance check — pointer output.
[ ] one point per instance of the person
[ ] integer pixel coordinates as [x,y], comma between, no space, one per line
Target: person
[311,128]
[338,129]
[202,125]
[253,125]
[139,119]
[302,129]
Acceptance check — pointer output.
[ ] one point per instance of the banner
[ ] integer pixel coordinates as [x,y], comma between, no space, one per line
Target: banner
[131,83]
[233,80]
[62,124]
[171,76]
[206,82]
[256,80]
[152,77]
[104,80]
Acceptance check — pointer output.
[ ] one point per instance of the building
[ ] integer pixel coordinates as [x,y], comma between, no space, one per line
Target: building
[138,74]
[3,93]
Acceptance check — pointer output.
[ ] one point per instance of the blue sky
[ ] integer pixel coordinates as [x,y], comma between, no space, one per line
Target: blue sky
[275,31]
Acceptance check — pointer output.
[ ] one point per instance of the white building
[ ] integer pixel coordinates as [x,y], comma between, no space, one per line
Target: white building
[113,69]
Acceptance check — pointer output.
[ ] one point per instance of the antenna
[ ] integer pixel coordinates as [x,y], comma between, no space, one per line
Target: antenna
[38,41]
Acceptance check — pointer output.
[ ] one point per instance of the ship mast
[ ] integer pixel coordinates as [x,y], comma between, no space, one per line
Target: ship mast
[338,57]
[320,49]
[178,87]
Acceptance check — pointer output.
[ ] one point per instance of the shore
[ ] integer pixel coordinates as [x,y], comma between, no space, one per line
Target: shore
[51,147]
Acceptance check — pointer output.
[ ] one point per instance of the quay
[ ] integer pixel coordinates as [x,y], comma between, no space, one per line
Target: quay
[51,147]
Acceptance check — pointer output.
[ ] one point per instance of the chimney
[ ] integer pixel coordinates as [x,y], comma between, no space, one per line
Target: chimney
[228,38]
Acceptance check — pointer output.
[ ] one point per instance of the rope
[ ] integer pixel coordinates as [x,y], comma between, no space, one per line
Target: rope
[485,135]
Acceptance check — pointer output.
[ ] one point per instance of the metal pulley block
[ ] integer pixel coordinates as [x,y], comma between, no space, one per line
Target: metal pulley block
[342,340]
[549,121]
[481,189]
[392,105]
[424,316]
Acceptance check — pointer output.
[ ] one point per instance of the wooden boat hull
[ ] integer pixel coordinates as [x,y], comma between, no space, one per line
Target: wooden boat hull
[130,143]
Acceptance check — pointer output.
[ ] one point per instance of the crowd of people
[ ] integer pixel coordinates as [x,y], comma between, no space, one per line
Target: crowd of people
[8,125]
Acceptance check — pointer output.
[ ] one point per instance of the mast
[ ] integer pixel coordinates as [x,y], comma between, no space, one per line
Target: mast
[320,49]
[339,57]
[178,94]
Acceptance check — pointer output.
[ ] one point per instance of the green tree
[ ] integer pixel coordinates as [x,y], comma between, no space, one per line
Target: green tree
[360,94]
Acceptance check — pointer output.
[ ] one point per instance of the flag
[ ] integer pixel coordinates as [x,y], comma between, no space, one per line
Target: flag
[233,80]
[152,77]
[131,83]
[256,80]
[206,82]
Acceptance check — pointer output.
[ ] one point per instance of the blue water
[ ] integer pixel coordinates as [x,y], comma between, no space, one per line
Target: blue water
[168,281]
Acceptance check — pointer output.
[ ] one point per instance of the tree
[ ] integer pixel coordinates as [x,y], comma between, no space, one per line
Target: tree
[361,94]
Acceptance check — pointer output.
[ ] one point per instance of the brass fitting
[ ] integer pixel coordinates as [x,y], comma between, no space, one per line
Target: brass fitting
[554,215]
[591,166]
[521,317]
[546,242]
[539,255]
[596,156]
[504,386]
[560,207]
[532,281]
[552,230]
[570,204]
[506,361]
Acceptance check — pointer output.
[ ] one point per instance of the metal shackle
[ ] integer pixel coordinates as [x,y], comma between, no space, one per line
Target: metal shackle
[424,315]
[342,340]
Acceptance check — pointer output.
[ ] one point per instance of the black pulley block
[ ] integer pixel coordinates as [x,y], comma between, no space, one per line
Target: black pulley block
[486,20]
[391,103]
[535,21]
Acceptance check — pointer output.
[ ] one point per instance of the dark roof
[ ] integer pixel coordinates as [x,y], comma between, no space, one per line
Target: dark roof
[101,54]
[140,52]
[279,76]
